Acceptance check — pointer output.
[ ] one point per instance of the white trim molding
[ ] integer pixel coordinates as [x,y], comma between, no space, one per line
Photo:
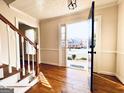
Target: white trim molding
[120,78]
[107,73]
[107,5]
[109,51]
[17,10]
[19,20]
[120,52]
[50,63]
[49,49]
[119,1]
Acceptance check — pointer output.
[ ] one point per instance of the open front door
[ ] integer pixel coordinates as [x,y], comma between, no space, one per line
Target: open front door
[91,45]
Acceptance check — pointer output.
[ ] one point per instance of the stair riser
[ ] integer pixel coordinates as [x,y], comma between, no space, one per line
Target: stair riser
[24,89]
[1,73]
[10,80]
[31,84]
[25,81]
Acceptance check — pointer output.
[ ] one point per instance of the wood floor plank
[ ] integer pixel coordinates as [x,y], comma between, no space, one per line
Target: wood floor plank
[103,85]
[61,80]
[65,80]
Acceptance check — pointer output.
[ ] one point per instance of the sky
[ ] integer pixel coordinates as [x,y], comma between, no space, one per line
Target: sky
[78,30]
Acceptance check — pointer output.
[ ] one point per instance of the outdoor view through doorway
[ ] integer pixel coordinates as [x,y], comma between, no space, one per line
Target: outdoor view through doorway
[77,38]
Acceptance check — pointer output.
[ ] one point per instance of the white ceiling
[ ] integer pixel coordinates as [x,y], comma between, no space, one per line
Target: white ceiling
[42,9]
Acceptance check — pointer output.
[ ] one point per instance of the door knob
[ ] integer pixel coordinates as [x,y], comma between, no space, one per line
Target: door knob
[89,52]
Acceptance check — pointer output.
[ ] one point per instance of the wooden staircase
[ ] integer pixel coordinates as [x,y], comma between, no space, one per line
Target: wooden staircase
[6,73]
[16,80]
[23,77]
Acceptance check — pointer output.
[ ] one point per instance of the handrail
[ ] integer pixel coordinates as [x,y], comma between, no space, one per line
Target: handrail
[17,30]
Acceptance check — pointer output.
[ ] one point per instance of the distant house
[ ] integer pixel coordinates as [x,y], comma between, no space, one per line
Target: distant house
[76,43]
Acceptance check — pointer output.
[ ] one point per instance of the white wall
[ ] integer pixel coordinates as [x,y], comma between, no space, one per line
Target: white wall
[120,43]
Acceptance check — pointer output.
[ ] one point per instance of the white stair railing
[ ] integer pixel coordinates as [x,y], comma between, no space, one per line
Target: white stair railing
[23,57]
[30,50]
[8,37]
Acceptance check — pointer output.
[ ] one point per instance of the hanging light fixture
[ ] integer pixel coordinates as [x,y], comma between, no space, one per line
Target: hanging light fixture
[72,4]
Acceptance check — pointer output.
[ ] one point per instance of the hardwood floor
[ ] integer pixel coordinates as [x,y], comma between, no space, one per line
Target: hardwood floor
[61,80]
[112,78]
[105,85]
[55,79]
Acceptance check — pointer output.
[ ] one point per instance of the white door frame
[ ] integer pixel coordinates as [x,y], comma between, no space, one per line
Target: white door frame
[61,63]
[98,18]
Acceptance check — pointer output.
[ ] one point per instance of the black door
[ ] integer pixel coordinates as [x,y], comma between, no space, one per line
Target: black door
[91,45]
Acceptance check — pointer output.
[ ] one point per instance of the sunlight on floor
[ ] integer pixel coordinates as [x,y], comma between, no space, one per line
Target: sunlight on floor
[44,81]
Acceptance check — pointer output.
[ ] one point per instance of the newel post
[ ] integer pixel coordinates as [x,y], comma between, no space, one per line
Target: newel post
[37,60]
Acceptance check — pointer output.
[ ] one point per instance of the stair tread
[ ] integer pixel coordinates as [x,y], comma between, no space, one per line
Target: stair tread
[3,65]
[33,78]
[23,77]
[6,71]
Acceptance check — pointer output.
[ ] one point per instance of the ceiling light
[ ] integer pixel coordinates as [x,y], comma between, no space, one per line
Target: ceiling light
[72,4]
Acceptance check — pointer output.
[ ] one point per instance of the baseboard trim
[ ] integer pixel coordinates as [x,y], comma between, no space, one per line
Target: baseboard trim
[108,80]
[112,74]
[120,78]
[49,49]
[50,63]
[106,73]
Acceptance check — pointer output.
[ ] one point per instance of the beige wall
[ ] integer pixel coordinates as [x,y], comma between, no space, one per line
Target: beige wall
[50,37]
[11,15]
[120,43]
[107,62]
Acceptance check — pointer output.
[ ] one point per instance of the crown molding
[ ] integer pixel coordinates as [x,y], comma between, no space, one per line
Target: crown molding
[119,1]
[19,11]
[107,5]
[79,12]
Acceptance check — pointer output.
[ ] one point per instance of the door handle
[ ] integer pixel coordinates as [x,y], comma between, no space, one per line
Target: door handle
[92,46]
[89,52]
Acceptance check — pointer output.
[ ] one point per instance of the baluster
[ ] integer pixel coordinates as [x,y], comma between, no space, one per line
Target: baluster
[28,53]
[29,70]
[1,64]
[17,51]
[23,61]
[8,31]
[37,60]
[33,70]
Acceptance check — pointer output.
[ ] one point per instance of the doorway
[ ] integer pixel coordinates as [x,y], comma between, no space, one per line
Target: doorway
[74,44]
[77,45]
[32,34]
[76,30]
